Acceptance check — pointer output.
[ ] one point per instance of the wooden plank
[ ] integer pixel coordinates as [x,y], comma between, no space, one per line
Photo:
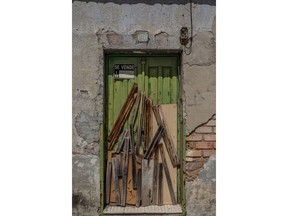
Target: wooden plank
[125,172]
[122,117]
[116,183]
[160,184]
[121,141]
[135,109]
[118,165]
[139,179]
[134,178]
[167,174]
[108,182]
[155,177]
[170,146]
[170,115]
[147,181]
[123,110]
[147,123]
[140,123]
[154,142]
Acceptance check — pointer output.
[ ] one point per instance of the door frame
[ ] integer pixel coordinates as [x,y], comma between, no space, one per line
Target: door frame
[181,138]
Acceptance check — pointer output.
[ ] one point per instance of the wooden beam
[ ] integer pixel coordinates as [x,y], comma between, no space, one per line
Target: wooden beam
[166,136]
[155,177]
[154,142]
[147,123]
[121,141]
[147,181]
[139,179]
[168,177]
[118,165]
[132,148]
[125,172]
[160,184]
[123,116]
[140,123]
[116,183]
[108,181]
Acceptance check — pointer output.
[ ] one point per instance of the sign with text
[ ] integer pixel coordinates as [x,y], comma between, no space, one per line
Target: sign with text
[124,71]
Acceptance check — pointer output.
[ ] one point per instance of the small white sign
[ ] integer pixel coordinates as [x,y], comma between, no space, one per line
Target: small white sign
[124,71]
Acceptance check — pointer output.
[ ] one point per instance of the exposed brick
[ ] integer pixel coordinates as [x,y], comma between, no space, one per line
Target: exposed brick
[211,123]
[204,129]
[190,145]
[191,175]
[196,137]
[215,145]
[204,145]
[210,137]
[189,153]
[189,159]
[196,153]
[208,153]
[194,165]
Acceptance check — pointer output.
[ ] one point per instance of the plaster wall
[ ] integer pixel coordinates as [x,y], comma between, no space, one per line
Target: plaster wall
[99,25]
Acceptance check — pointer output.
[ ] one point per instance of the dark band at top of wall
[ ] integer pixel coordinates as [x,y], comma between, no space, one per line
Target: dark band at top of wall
[152,2]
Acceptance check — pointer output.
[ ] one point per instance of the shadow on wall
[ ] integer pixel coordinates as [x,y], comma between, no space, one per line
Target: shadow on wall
[149,2]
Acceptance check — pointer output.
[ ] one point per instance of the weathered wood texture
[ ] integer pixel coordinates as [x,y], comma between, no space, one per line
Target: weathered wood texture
[147,181]
[122,117]
[170,146]
[170,114]
[116,183]
[108,181]
[139,182]
[168,177]
[125,172]
[160,184]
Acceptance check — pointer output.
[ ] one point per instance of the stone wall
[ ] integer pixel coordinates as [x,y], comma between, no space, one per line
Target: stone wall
[100,25]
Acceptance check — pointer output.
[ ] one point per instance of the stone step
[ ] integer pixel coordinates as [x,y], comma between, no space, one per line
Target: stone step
[152,210]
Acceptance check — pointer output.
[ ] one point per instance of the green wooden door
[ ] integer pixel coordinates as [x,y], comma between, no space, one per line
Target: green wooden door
[157,76]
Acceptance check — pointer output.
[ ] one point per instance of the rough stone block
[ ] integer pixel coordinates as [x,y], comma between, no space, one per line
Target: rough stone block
[194,165]
[196,137]
[204,129]
[196,153]
[208,153]
[204,145]
[85,185]
[114,38]
[212,122]
[210,137]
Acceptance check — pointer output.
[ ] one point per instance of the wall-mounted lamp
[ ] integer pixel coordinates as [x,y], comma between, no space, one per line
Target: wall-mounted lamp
[184,38]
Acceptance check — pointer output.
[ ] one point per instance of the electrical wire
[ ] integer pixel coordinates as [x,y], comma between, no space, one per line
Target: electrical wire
[191,30]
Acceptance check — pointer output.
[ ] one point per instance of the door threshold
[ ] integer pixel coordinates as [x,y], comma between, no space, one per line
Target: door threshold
[147,210]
